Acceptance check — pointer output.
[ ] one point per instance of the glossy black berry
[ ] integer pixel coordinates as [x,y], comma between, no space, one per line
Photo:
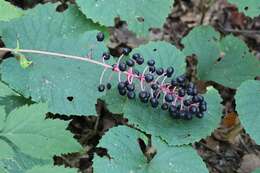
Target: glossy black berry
[122,66]
[164,106]
[139,60]
[122,92]
[154,86]
[148,77]
[130,62]
[143,94]
[174,82]
[159,71]
[154,102]
[203,108]
[200,98]
[193,109]
[195,99]
[130,87]
[101,88]
[126,50]
[152,69]
[109,86]
[121,85]
[180,79]
[131,95]
[100,36]
[190,85]
[181,92]
[106,56]
[169,71]
[168,98]
[136,56]
[151,62]
[199,115]
[190,91]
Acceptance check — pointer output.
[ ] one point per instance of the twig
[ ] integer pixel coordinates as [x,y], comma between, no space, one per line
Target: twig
[57,55]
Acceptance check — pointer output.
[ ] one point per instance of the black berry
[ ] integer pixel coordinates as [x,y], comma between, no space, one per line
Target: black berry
[181,92]
[122,92]
[148,77]
[151,62]
[168,98]
[131,95]
[100,36]
[130,87]
[121,85]
[154,102]
[139,60]
[152,69]
[136,56]
[164,106]
[159,71]
[122,66]
[180,79]
[126,50]
[106,56]
[101,88]
[174,82]
[130,62]
[154,86]
[169,71]
[109,86]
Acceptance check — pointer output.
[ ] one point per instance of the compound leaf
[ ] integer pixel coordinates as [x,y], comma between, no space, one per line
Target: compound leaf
[248,107]
[122,146]
[139,15]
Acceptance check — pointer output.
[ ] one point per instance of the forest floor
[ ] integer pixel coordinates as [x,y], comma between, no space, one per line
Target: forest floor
[229,149]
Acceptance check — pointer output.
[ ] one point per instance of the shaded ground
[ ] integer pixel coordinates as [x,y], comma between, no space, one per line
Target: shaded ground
[229,149]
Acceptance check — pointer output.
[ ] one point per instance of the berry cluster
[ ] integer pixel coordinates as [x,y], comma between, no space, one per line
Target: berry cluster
[156,86]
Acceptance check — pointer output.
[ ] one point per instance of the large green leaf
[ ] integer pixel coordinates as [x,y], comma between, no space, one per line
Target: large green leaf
[236,65]
[27,129]
[8,11]
[248,107]
[251,8]
[140,15]
[127,157]
[54,79]
[51,169]
[257,170]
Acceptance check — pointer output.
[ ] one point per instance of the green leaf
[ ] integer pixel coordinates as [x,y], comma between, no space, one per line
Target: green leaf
[10,100]
[236,65]
[175,132]
[139,15]
[251,8]
[248,107]
[257,170]
[51,169]
[127,157]
[8,11]
[5,150]
[31,133]
[54,79]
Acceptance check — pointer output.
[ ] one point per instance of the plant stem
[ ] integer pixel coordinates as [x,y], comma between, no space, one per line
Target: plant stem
[57,55]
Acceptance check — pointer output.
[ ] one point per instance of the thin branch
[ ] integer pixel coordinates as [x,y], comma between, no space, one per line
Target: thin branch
[57,55]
